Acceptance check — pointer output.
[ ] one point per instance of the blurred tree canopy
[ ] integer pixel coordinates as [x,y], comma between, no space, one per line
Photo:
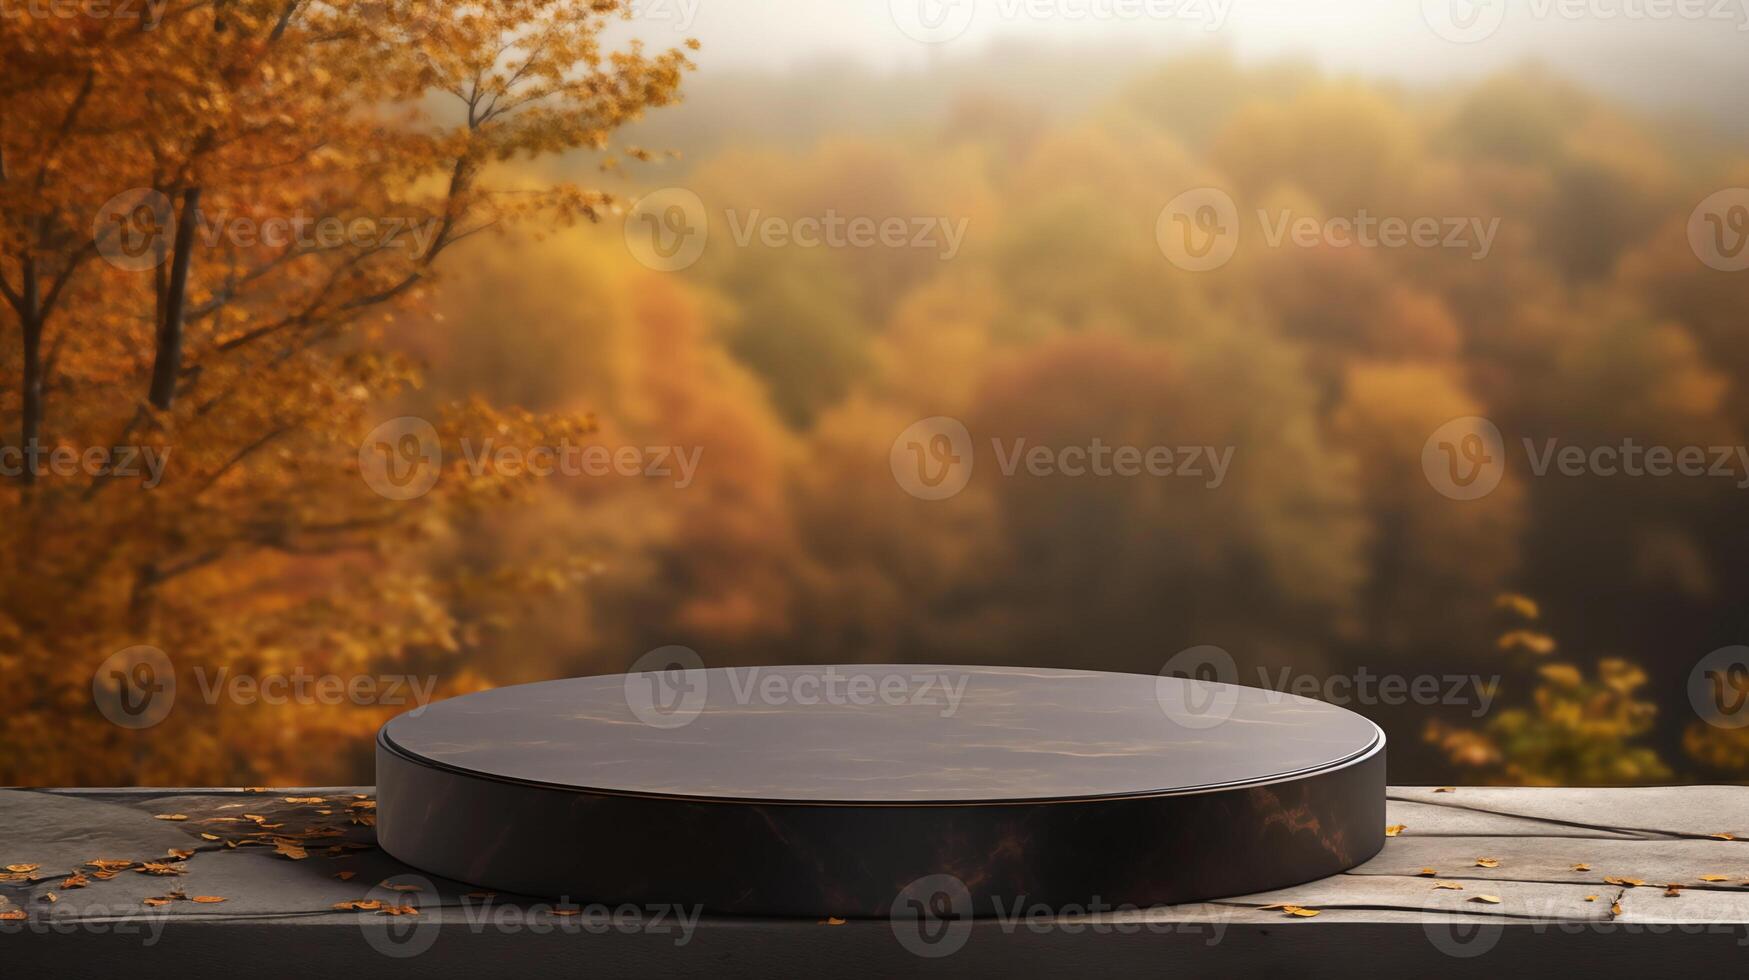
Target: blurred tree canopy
[1326,550]
[793,369]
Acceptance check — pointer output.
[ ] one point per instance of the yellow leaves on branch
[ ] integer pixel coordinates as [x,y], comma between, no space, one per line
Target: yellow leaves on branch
[1540,644]
[392,116]
[1522,605]
[1574,730]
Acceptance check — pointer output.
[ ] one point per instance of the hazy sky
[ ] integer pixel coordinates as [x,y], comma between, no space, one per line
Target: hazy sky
[1652,50]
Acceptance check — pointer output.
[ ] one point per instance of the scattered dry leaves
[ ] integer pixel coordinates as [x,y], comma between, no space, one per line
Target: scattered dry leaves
[1448,885]
[1395,829]
[1487,862]
[170,816]
[162,869]
[1486,899]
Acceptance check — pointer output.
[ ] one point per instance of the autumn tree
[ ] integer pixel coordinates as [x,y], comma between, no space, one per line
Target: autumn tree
[204,223]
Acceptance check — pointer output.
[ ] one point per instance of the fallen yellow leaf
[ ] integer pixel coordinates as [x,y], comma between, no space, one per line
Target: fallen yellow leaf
[1395,829]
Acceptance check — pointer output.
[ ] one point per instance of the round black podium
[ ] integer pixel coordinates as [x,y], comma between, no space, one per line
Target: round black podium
[835,790]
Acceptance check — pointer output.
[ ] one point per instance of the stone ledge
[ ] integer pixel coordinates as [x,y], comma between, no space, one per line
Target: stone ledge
[1385,916]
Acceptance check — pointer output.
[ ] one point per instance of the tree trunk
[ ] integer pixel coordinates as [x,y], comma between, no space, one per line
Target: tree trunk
[168,365]
[31,417]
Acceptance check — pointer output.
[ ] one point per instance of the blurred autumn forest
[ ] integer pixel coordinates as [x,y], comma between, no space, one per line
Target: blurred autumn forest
[793,369]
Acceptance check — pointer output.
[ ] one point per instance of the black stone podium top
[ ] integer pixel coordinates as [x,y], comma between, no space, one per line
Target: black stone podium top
[873,734]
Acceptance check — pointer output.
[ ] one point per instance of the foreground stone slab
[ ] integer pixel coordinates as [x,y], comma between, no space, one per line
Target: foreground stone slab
[1507,881]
